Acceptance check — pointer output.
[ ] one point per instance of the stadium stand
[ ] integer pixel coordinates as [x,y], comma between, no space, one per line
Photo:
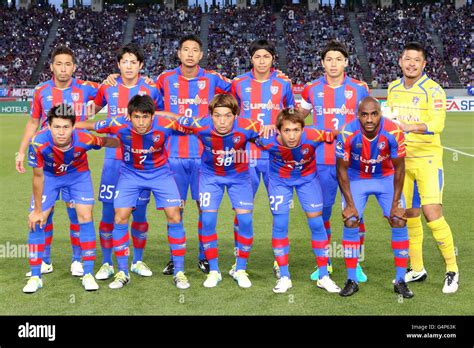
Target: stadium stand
[385,31]
[23,33]
[87,33]
[158,31]
[455,30]
[231,31]
[306,33]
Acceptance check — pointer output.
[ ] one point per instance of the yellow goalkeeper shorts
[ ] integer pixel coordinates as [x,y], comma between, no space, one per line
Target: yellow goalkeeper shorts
[423,186]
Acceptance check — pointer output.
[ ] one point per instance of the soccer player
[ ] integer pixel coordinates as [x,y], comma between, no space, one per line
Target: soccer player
[59,160]
[130,60]
[370,161]
[62,88]
[225,164]
[261,94]
[419,105]
[144,166]
[293,167]
[187,90]
[333,98]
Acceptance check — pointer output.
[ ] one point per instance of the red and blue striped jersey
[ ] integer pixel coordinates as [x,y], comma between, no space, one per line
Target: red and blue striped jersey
[117,97]
[58,162]
[370,158]
[262,101]
[332,108]
[141,152]
[191,98]
[223,155]
[47,95]
[297,162]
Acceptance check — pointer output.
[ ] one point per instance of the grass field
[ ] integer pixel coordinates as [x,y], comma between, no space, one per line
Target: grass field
[63,294]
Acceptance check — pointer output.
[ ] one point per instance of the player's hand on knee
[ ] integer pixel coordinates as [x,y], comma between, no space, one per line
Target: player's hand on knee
[350,217]
[398,217]
[35,218]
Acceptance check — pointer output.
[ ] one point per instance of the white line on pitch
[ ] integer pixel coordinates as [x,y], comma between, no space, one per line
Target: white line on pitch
[454,150]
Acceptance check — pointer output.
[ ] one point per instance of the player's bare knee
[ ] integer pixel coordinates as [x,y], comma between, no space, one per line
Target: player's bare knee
[432,212]
[173,215]
[84,217]
[413,212]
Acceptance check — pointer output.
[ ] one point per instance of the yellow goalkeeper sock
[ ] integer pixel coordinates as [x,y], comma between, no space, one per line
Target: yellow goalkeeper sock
[443,236]
[415,251]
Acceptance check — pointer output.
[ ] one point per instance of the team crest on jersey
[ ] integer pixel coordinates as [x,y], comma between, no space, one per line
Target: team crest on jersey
[75,97]
[156,138]
[305,151]
[115,95]
[274,89]
[201,85]
[415,100]
[321,95]
[381,145]
[236,139]
[348,94]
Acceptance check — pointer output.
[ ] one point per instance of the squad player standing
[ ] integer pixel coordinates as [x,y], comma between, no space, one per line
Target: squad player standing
[62,88]
[187,90]
[333,98]
[419,105]
[261,94]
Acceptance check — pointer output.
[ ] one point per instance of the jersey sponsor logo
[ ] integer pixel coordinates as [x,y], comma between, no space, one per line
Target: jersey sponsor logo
[274,90]
[379,158]
[142,151]
[261,106]
[75,97]
[438,103]
[381,145]
[117,111]
[348,94]
[343,110]
[201,84]
[174,100]
[318,110]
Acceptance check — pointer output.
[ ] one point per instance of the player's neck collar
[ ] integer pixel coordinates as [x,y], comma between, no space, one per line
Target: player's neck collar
[198,72]
[252,73]
[122,82]
[325,79]
[53,82]
[421,78]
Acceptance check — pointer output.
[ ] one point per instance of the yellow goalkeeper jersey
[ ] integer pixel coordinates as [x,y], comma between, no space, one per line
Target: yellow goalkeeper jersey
[424,102]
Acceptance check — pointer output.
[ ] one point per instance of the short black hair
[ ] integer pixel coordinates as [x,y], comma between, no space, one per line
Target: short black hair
[64,111]
[61,49]
[190,37]
[335,45]
[415,46]
[131,48]
[262,44]
[141,103]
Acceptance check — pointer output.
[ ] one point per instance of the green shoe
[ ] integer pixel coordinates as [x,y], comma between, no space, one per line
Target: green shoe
[361,277]
[315,275]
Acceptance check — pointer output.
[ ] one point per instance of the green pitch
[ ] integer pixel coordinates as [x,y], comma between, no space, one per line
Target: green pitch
[63,294]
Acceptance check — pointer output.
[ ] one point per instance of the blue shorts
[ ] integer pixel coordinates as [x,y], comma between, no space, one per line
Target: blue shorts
[109,180]
[211,190]
[280,194]
[259,168]
[160,182]
[381,188]
[328,179]
[186,174]
[78,186]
